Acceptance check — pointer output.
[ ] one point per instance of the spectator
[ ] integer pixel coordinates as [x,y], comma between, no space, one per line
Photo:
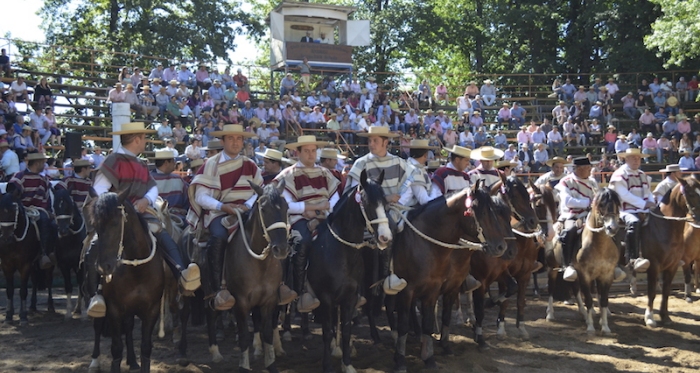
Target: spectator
[471,90]
[682,89]
[555,141]
[672,105]
[179,133]
[518,115]
[666,87]
[685,143]
[660,119]
[504,115]
[568,91]
[42,94]
[116,94]
[634,138]
[557,91]
[162,100]
[240,79]
[621,144]
[131,98]
[643,89]
[186,76]
[686,162]
[693,89]
[288,85]
[480,138]
[165,131]
[610,139]
[649,147]
[466,139]
[526,157]
[523,137]
[540,157]
[5,66]
[510,153]
[148,103]
[582,97]
[441,93]
[488,93]
[683,127]
[560,113]
[217,92]
[654,87]
[500,141]
[659,100]
[596,111]
[663,147]
[628,106]
[40,124]
[263,132]
[18,90]
[9,160]
[612,87]
[156,72]
[591,96]
[202,77]
[647,121]
[640,104]
[172,90]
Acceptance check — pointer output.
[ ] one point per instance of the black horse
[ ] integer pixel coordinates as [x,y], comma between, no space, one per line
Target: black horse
[336,268]
[71,233]
[19,250]
[132,276]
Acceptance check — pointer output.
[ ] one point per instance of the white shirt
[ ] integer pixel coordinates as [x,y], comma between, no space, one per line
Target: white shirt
[10,162]
[102,185]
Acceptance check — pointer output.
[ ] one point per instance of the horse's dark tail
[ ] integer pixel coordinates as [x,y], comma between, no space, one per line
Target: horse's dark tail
[562,290]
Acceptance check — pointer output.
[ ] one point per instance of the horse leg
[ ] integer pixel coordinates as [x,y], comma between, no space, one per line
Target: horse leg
[68,287]
[287,324]
[428,322]
[115,325]
[257,341]
[696,272]
[324,313]
[23,291]
[403,308]
[211,333]
[305,331]
[667,276]
[78,310]
[478,296]
[98,326]
[551,283]
[129,337]
[266,313]
[49,285]
[501,319]
[686,279]
[585,284]
[241,313]
[35,281]
[535,286]
[182,359]
[373,331]
[147,326]
[10,293]
[576,288]
[603,294]
[276,340]
[521,303]
[652,278]
[346,325]
[448,301]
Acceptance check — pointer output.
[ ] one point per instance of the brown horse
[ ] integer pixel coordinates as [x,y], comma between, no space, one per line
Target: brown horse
[422,255]
[662,241]
[19,249]
[691,259]
[599,254]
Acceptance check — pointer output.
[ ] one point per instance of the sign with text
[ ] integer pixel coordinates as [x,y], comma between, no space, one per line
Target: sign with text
[319,52]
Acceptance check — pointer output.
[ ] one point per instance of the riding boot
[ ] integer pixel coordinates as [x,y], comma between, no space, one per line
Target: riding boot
[97,307]
[308,301]
[189,276]
[393,284]
[632,249]
[215,256]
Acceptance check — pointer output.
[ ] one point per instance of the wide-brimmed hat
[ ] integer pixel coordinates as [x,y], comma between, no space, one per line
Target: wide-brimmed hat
[36,156]
[488,81]
[232,129]
[429,111]
[433,164]
[487,153]
[671,168]
[420,144]
[460,151]
[163,154]
[306,140]
[371,78]
[684,152]
[378,131]
[133,128]
[146,88]
[632,151]
[4,144]
[174,82]
[26,128]
[273,154]
[622,137]
[510,163]
[81,163]
[582,161]
[196,163]
[554,160]
[331,153]
[214,144]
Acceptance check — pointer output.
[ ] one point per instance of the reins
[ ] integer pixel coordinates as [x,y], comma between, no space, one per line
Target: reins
[134,262]
[368,225]
[15,222]
[277,225]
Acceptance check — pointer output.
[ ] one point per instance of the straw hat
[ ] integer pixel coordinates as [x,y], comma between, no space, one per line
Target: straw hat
[488,81]
[4,144]
[163,154]
[196,163]
[232,129]
[214,144]
[554,160]
[433,164]
[331,153]
[173,82]
[510,163]
[487,153]
[622,137]
[274,155]
[133,128]
[671,168]
[306,140]
[26,128]
[81,163]
[371,78]
[378,131]
[429,111]
[460,151]
[632,151]
[36,157]
[420,144]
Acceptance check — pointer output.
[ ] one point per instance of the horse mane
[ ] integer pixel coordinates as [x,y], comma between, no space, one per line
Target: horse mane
[500,206]
[106,207]
[606,196]
[548,199]
[61,194]
[373,192]
[339,205]
[438,201]
[513,183]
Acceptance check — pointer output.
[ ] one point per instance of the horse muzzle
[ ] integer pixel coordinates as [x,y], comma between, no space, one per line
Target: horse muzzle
[280,252]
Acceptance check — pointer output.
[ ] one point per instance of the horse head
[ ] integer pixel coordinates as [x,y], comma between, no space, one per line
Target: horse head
[64,208]
[370,197]
[10,208]
[519,200]
[272,213]
[545,206]
[689,190]
[606,206]
[491,217]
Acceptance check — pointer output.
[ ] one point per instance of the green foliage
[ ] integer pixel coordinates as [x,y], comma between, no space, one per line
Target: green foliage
[676,33]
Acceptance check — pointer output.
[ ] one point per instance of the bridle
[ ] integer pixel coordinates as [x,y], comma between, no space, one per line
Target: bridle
[14,223]
[368,224]
[277,225]
[135,262]
[519,217]
[70,223]
[598,217]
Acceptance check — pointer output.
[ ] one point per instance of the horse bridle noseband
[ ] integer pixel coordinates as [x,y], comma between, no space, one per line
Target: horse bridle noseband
[277,225]
[15,222]
[368,225]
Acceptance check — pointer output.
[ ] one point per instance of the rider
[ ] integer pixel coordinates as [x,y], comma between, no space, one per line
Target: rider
[34,190]
[673,173]
[395,185]
[552,177]
[219,188]
[123,172]
[79,183]
[632,184]
[421,185]
[171,187]
[273,163]
[329,160]
[311,192]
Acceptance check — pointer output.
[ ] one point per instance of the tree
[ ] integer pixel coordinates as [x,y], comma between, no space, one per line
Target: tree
[185,30]
[676,32]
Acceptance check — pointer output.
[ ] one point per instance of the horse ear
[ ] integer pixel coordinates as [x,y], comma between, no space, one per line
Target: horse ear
[92,193]
[257,188]
[683,182]
[363,178]
[12,189]
[533,186]
[496,188]
[280,186]
[380,179]
[476,186]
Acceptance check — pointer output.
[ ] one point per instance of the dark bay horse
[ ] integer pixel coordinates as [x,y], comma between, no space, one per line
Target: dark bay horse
[595,262]
[336,267]
[19,250]
[132,276]
[424,262]
[71,233]
[662,241]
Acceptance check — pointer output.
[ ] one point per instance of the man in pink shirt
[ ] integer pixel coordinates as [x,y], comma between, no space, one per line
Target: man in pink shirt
[649,147]
[646,121]
[683,127]
[523,137]
[504,115]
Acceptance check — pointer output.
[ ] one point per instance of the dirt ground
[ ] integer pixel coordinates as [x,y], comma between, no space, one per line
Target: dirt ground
[51,344]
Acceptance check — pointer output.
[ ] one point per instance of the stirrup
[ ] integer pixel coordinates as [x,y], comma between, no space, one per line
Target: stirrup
[472,283]
[97,308]
[286,295]
[223,300]
[393,284]
[45,262]
[570,274]
[307,303]
[619,275]
[641,265]
[538,266]
[361,301]
[190,277]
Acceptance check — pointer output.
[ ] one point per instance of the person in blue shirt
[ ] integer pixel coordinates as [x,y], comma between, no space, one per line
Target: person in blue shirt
[518,114]
[596,111]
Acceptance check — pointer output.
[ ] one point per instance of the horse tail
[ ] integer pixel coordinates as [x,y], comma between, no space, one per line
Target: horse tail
[562,290]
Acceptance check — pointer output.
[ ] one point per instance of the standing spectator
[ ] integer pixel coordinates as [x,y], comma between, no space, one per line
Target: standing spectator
[240,79]
[693,89]
[5,66]
[305,72]
[682,89]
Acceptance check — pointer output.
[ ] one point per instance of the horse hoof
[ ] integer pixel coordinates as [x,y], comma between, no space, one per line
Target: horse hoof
[95,369]
[590,331]
[665,320]
[287,336]
[308,336]
[134,367]
[183,361]
[430,363]
[524,334]
[447,350]
[650,323]
[347,368]
[550,317]
[401,369]
[23,322]
[689,299]
[606,331]
[76,315]
[215,354]
[337,352]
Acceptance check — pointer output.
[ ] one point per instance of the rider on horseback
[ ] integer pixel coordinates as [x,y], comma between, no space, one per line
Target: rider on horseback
[329,160]
[673,173]
[395,185]
[421,188]
[34,189]
[123,172]
[79,183]
[273,163]
[450,179]
[632,184]
[311,192]
[219,188]
[171,187]
[552,177]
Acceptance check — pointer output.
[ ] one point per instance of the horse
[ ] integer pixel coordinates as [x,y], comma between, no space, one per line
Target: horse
[336,267]
[599,254]
[71,233]
[132,276]
[422,255]
[19,250]
[662,241]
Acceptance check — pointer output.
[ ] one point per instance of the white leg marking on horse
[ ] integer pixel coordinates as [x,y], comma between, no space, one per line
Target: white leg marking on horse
[523,332]
[215,354]
[269,355]
[394,336]
[581,308]
[383,228]
[336,351]
[347,368]
[589,321]
[277,342]
[633,286]
[244,362]
[550,309]
[94,365]
[161,323]
[257,345]
[649,318]
[69,306]
[501,333]
[604,328]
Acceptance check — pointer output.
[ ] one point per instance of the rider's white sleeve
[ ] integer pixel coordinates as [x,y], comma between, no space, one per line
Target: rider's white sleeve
[101,185]
[202,196]
[293,207]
